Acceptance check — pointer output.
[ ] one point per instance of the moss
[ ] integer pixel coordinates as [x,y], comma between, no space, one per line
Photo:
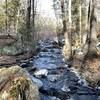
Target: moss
[18,87]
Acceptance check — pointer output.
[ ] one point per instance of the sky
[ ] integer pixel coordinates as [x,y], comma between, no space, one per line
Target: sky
[45,7]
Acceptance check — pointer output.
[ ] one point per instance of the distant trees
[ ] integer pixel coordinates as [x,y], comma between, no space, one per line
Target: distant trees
[17,17]
[11,11]
[75,26]
[59,7]
[91,40]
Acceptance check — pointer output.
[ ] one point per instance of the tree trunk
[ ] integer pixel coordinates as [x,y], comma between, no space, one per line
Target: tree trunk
[34,35]
[70,27]
[6,22]
[63,16]
[33,18]
[28,25]
[70,15]
[80,10]
[17,22]
[68,44]
[61,34]
[28,22]
[92,38]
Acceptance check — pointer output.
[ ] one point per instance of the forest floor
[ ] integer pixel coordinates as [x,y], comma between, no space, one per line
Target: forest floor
[6,60]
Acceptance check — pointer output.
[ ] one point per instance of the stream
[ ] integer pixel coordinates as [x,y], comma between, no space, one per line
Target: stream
[56,80]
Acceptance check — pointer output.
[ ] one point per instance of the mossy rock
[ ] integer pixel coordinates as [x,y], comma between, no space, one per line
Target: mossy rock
[11,50]
[16,84]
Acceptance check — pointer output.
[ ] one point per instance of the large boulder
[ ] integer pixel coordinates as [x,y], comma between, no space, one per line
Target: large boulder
[16,84]
[12,50]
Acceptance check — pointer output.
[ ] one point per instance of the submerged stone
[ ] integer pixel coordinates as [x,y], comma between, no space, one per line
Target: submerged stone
[53,78]
[65,88]
[37,81]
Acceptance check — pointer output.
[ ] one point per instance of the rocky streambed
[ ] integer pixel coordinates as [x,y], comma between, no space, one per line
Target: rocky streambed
[55,79]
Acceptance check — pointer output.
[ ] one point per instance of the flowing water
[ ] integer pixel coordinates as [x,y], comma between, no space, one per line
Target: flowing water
[60,82]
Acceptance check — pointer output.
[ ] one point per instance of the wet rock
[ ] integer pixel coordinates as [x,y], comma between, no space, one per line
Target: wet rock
[37,81]
[46,54]
[84,97]
[12,50]
[55,93]
[27,64]
[54,98]
[66,66]
[98,98]
[98,87]
[55,51]
[45,63]
[45,97]
[16,84]
[44,50]
[54,42]
[52,50]
[65,88]
[82,90]
[41,73]
[38,49]
[52,66]
[70,99]
[53,78]
[61,43]
[31,69]
[81,82]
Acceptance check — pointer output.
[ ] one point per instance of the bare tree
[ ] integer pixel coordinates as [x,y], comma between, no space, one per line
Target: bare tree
[6,22]
[33,18]
[92,38]
[63,16]
[28,36]
[80,10]
[68,45]
[28,15]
